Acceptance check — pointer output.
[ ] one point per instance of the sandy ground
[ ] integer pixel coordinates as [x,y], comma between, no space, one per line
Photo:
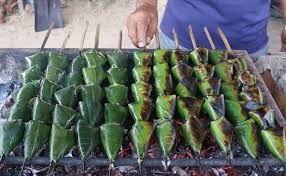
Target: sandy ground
[18,32]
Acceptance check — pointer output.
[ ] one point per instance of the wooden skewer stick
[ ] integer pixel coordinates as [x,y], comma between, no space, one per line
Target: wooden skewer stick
[209,38]
[224,39]
[120,40]
[177,46]
[96,43]
[65,42]
[157,37]
[52,24]
[191,33]
[83,37]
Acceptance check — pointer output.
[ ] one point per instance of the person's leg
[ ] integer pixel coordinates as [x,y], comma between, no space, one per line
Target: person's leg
[262,52]
[167,43]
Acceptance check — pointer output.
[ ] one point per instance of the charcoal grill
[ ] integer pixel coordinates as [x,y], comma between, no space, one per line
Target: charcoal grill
[16,56]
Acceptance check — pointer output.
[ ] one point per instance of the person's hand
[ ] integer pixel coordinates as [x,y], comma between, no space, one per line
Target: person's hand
[142,24]
[283,39]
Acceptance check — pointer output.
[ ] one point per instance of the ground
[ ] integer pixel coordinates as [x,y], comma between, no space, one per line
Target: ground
[18,32]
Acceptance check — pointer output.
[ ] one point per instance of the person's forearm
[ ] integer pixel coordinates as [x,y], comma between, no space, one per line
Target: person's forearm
[283,9]
[150,2]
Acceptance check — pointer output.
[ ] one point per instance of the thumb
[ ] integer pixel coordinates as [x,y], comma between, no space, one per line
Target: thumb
[141,34]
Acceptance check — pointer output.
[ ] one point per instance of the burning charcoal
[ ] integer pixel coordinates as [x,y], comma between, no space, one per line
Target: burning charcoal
[90,111]
[47,90]
[166,136]
[181,71]
[32,74]
[11,134]
[141,90]
[140,110]
[246,135]
[247,79]
[222,131]
[142,58]
[239,65]
[160,56]
[118,59]
[42,111]
[224,71]
[264,117]
[28,91]
[163,79]
[93,75]
[217,56]
[177,57]
[38,59]
[209,86]
[92,92]
[116,93]
[54,74]
[234,112]
[58,60]
[165,106]
[252,93]
[187,87]
[114,113]
[229,90]
[141,73]
[66,96]
[61,141]
[87,138]
[188,107]
[140,135]
[274,141]
[94,58]
[117,75]
[194,134]
[77,65]
[214,107]
[64,116]
[112,144]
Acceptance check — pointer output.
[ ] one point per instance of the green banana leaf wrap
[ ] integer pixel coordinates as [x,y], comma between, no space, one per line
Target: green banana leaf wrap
[198,56]
[140,110]
[141,90]
[188,107]
[177,57]
[116,75]
[118,59]
[94,58]
[87,138]
[112,144]
[217,56]
[28,91]
[31,74]
[66,96]
[274,141]
[247,79]
[222,131]
[91,92]
[20,110]
[201,72]
[181,71]
[61,141]
[187,87]
[114,113]
[39,59]
[194,133]
[11,134]
[74,79]
[239,66]
[214,107]
[64,116]
[235,112]
[165,106]
[91,112]
[35,137]
[230,91]
[140,135]
[264,117]
[47,90]
[252,93]
[77,65]
[160,56]
[166,137]
[93,75]
[141,73]
[247,136]
[163,79]
[42,111]
[142,58]
[54,74]
[116,94]
[75,76]
[209,87]
[58,60]
[224,71]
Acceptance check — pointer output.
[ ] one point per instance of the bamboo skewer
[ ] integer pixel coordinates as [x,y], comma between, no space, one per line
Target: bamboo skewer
[177,46]
[120,40]
[191,33]
[52,24]
[157,37]
[65,42]
[83,38]
[224,39]
[209,38]
[96,43]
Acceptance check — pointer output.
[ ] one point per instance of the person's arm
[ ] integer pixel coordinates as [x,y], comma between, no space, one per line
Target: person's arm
[283,34]
[142,23]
